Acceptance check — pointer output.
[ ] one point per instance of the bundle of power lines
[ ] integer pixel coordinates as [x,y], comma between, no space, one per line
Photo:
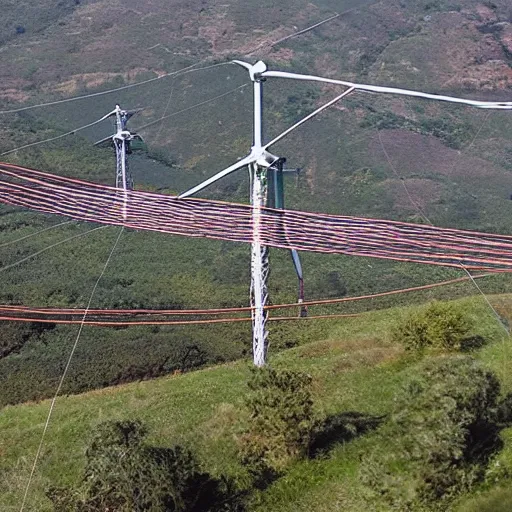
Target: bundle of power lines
[128,317]
[286,229]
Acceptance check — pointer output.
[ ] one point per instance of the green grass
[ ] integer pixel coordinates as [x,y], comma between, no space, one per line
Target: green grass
[355,367]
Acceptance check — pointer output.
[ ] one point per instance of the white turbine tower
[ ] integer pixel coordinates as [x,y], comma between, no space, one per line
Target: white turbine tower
[122,140]
[260,161]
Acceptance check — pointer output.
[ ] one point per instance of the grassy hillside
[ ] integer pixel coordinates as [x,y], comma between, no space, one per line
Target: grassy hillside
[355,368]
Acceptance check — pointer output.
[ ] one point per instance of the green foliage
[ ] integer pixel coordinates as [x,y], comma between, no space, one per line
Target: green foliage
[124,474]
[155,271]
[497,500]
[504,412]
[454,134]
[280,424]
[440,325]
[439,437]
[356,374]
[13,335]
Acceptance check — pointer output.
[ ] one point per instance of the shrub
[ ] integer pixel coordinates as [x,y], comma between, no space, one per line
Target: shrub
[504,412]
[124,474]
[439,325]
[280,424]
[440,436]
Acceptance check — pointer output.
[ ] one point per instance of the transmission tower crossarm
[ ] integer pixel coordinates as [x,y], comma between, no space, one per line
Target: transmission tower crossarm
[498,105]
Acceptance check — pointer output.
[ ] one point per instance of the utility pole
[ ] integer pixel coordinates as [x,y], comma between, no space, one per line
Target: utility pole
[259,161]
[259,253]
[122,142]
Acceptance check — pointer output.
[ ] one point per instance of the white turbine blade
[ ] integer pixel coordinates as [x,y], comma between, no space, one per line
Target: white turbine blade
[254,70]
[245,65]
[308,117]
[104,141]
[499,105]
[110,114]
[232,168]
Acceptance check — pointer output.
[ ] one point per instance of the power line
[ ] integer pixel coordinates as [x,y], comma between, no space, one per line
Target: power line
[51,139]
[180,72]
[294,34]
[402,181]
[311,27]
[99,323]
[76,130]
[37,253]
[64,373]
[144,126]
[183,71]
[285,229]
[307,29]
[420,211]
[37,233]
[48,311]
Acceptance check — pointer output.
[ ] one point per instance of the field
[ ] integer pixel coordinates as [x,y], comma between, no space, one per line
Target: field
[355,368]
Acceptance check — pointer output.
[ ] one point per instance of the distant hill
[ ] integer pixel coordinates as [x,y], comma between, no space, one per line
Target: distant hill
[455,162]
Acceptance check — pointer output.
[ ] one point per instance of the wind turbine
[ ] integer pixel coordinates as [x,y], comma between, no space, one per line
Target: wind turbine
[122,142]
[261,164]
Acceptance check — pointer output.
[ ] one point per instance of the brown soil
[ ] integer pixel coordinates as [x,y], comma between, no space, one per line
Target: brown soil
[413,154]
[422,191]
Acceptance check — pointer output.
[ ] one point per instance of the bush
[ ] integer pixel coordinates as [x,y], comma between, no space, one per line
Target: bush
[124,474]
[439,325]
[504,411]
[440,436]
[280,424]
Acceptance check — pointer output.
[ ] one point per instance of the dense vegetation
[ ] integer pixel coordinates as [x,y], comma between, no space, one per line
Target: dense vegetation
[123,473]
[351,419]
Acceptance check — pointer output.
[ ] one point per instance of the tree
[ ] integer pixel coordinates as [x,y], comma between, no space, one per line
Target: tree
[281,422]
[123,474]
[440,436]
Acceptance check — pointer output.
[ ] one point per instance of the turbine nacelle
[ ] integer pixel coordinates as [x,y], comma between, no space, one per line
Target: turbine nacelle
[123,135]
[264,158]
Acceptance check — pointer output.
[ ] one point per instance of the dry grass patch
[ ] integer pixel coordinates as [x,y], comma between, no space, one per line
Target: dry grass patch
[223,420]
[367,358]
